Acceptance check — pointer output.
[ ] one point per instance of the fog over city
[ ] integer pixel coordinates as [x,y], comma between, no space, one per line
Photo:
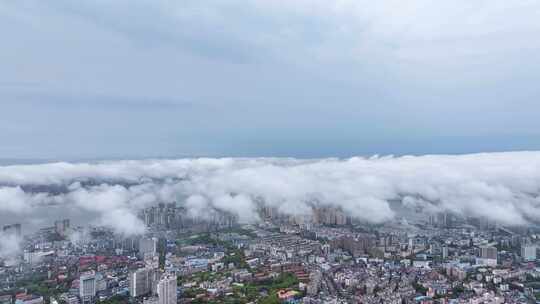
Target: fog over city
[269,152]
[502,187]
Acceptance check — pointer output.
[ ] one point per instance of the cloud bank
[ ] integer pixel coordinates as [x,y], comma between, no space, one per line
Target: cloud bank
[502,187]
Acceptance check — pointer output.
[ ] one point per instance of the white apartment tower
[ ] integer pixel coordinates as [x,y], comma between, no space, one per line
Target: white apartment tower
[139,282]
[167,289]
[528,252]
[87,288]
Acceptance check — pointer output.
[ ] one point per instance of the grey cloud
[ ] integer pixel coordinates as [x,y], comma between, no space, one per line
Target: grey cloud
[317,78]
[20,84]
[344,30]
[15,199]
[184,25]
[42,99]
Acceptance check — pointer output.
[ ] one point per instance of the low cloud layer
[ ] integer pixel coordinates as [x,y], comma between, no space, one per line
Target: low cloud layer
[502,187]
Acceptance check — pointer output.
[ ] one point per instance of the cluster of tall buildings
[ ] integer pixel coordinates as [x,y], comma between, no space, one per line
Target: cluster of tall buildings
[146,280]
[170,216]
[449,220]
[330,216]
[151,283]
[326,215]
[163,215]
[356,245]
[441,220]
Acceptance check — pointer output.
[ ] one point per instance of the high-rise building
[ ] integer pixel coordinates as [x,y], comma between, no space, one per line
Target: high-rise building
[488,252]
[87,288]
[445,252]
[147,247]
[13,229]
[166,289]
[528,252]
[154,280]
[140,282]
[61,226]
[341,219]
[314,284]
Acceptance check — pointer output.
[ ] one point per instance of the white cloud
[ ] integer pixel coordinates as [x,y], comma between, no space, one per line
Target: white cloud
[122,221]
[13,199]
[502,187]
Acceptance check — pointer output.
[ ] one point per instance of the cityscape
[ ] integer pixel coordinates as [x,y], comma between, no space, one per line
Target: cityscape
[269,152]
[327,257]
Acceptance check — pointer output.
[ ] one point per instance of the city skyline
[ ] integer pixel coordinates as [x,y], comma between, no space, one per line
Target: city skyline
[269,152]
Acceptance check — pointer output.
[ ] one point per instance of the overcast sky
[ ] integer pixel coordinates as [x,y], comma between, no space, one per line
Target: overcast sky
[303,78]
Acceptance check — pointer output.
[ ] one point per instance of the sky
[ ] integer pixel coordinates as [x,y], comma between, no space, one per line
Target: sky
[134,79]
